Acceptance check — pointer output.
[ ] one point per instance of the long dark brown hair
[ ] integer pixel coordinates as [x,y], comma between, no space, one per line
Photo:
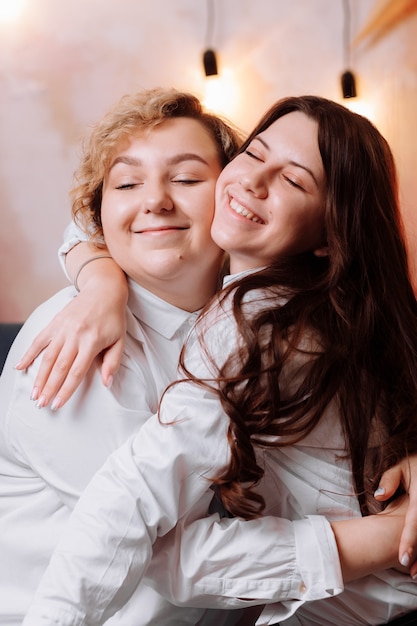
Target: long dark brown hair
[358,304]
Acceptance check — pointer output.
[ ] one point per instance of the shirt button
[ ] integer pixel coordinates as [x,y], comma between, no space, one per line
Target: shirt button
[303,588]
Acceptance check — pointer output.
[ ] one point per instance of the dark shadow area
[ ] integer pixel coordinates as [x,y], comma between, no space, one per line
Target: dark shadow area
[8,332]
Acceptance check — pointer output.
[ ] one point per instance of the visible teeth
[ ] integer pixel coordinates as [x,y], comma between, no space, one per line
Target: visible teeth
[238,208]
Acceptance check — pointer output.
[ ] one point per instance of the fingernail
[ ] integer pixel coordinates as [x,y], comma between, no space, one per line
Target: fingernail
[56,403]
[17,366]
[109,382]
[379,492]
[35,393]
[41,402]
[405,560]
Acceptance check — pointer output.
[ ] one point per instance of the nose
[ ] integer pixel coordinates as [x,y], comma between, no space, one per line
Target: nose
[255,181]
[156,198]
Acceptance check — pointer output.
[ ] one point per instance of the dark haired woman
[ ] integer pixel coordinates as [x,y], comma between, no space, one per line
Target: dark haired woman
[300,379]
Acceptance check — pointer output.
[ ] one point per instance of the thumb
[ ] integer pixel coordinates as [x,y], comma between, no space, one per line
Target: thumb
[389,483]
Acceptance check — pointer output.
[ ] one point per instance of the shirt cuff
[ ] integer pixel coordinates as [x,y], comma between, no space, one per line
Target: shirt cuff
[320,574]
[72,237]
[317,558]
[36,616]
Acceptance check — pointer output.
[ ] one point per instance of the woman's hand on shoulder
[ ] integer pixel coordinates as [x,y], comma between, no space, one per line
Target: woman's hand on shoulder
[93,323]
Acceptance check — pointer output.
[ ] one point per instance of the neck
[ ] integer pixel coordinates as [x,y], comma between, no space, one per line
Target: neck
[189,294]
[238,265]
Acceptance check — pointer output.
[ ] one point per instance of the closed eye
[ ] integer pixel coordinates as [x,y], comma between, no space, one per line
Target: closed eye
[294,183]
[126,186]
[187,181]
[252,155]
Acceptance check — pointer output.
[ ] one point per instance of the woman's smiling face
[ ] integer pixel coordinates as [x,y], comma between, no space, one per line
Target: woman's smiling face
[270,198]
[158,204]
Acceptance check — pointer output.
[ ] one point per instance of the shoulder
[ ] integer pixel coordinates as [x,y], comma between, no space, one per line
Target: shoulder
[38,319]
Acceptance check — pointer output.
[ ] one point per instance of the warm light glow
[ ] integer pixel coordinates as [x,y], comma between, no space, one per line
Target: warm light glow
[363,107]
[221,94]
[10,10]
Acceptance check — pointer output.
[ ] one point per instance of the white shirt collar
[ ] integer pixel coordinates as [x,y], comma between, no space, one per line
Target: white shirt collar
[164,318]
[231,278]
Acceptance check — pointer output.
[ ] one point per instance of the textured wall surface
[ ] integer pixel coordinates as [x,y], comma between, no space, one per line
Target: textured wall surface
[63,63]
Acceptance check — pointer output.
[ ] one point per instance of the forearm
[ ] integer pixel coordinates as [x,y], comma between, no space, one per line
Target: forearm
[271,559]
[100,553]
[140,493]
[367,544]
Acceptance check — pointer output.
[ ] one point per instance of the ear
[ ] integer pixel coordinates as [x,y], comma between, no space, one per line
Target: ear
[321,252]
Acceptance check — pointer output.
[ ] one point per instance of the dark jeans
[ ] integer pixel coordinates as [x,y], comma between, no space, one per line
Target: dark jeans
[406,620]
[8,332]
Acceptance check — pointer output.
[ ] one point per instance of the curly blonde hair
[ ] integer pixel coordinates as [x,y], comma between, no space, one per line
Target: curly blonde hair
[133,112]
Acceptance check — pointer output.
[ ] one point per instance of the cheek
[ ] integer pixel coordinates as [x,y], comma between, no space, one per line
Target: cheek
[111,223]
[105,219]
[204,218]
[232,170]
[204,231]
[223,182]
[206,211]
[114,213]
[203,239]
[215,230]
[222,237]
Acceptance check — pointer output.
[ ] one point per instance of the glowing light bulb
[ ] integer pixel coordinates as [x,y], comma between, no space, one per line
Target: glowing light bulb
[221,94]
[363,107]
[10,10]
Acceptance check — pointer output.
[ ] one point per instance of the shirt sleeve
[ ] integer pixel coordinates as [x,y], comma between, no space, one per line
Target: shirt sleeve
[138,495]
[72,236]
[242,563]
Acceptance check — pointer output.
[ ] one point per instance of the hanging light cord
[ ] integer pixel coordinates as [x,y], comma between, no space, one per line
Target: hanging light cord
[346,32]
[348,77]
[209,56]
[210,24]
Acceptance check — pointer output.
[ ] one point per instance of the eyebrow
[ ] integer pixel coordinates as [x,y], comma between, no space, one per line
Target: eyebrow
[295,163]
[175,160]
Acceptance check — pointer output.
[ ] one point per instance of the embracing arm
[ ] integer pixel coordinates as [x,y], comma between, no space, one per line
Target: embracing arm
[159,478]
[231,563]
[366,545]
[91,323]
[139,496]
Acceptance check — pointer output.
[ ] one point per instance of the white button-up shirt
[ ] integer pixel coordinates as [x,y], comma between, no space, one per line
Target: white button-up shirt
[47,459]
[162,475]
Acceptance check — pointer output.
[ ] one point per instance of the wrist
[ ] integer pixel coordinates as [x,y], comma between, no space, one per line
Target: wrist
[84,264]
[368,544]
[103,276]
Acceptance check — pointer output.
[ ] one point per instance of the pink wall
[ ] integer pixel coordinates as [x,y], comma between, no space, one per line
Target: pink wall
[63,63]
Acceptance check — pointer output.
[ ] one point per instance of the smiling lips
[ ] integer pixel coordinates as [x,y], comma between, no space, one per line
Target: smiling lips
[240,210]
[159,229]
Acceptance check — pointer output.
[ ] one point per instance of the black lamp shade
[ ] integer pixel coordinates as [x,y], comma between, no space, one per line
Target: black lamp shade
[348,85]
[210,63]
